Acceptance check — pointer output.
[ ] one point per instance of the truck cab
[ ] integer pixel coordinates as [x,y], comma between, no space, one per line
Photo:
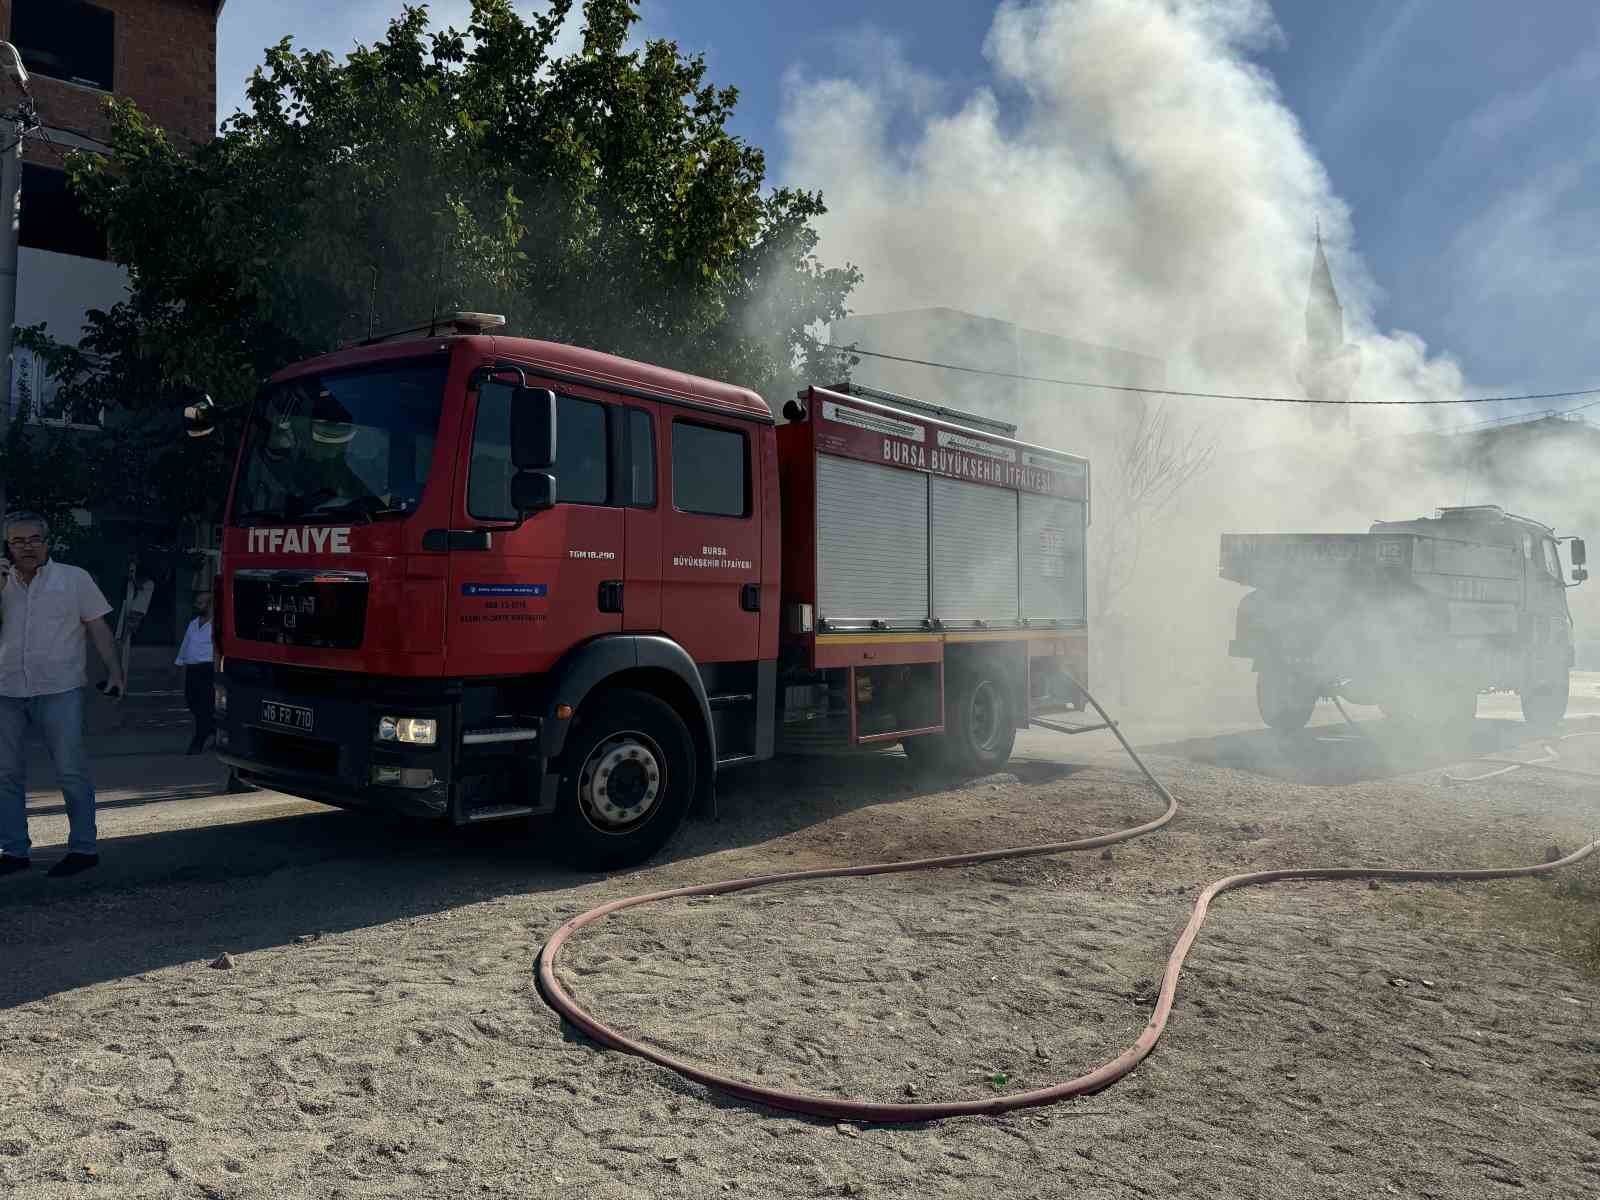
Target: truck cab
[414,611]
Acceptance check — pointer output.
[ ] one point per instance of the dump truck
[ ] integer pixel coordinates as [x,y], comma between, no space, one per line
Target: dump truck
[1417,617]
[471,577]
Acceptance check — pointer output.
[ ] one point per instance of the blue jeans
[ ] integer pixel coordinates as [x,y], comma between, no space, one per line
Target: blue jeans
[59,722]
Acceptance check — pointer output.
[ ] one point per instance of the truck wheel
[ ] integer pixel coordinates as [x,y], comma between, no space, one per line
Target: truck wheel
[980,727]
[627,779]
[1544,706]
[1285,698]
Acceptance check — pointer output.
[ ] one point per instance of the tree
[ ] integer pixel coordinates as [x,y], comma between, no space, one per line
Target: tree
[596,198]
[1153,462]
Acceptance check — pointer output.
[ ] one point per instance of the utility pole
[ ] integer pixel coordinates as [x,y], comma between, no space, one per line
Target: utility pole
[15,125]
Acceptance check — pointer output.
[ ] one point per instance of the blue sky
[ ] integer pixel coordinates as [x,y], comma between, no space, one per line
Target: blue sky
[1453,141]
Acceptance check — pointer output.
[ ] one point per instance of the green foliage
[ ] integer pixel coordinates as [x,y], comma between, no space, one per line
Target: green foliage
[596,198]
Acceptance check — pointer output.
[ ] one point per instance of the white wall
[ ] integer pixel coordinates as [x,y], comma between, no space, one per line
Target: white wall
[60,288]
[57,289]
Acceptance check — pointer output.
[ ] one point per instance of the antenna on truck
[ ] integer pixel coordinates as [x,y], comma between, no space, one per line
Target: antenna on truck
[452,325]
[438,285]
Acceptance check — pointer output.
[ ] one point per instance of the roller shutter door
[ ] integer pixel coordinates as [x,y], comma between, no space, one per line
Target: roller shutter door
[872,542]
[974,552]
[1052,559]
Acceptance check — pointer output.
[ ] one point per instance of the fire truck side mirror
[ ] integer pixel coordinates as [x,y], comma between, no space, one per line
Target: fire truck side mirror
[533,429]
[200,418]
[1580,553]
[533,491]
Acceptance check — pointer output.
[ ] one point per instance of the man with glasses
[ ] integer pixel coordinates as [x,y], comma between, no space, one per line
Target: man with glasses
[49,611]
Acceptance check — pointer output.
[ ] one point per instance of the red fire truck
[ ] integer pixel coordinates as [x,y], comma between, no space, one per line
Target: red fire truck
[472,577]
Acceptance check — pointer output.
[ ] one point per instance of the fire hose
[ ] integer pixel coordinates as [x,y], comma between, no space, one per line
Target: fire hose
[1093,1081]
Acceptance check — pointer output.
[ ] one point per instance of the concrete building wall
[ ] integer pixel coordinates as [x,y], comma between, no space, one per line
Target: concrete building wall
[58,289]
[1067,417]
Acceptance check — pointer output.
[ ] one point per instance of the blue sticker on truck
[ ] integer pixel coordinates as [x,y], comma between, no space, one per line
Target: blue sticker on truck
[505,589]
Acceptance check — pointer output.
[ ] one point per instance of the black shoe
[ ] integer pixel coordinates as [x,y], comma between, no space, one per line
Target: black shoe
[10,864]
[73,864]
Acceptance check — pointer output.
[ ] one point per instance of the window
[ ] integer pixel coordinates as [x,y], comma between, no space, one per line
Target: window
[350,443]
[65,39]
[53,219]
[489,483]
[580,451]
[641,459]
[581,473]
[710,470]
[1552,562]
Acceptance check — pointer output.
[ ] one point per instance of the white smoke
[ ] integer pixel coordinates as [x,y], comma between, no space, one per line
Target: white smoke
[1128,177]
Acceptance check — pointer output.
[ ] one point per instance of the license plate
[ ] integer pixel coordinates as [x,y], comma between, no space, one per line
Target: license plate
[286,716]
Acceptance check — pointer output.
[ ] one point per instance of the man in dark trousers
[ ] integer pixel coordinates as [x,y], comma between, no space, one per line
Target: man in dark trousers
[194,656]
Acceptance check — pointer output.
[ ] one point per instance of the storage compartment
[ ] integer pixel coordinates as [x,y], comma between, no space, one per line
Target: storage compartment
[974,552]
[1053,577]
[872,543]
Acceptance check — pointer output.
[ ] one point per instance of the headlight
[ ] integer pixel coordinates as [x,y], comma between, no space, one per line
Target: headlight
[219,698]
[415,731]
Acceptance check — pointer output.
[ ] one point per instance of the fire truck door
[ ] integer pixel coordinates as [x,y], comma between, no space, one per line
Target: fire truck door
[532,591]
[711,540]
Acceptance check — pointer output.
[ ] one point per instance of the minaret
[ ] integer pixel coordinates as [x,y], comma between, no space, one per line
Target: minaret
[1329,368]
[1324,313]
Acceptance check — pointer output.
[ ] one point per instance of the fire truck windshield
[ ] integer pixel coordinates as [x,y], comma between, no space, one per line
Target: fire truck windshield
[348,445]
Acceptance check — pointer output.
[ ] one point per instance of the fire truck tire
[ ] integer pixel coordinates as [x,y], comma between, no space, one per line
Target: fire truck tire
[980,726]
[1284,698]
[627,781]
[1544,706]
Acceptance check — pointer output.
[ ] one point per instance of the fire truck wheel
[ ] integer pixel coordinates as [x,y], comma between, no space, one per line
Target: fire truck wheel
[626,783]
[980,729]
[1284,698]
[1544,706]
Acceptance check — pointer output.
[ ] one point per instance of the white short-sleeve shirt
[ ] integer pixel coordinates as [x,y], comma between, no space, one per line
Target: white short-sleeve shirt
[42,638]
[196,648]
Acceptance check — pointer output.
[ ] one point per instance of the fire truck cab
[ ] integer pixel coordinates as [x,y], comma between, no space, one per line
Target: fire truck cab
[473,577]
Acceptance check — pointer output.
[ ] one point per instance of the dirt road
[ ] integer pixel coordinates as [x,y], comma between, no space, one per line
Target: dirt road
[379,1034]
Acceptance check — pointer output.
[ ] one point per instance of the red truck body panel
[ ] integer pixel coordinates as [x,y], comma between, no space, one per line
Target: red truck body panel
[839,425]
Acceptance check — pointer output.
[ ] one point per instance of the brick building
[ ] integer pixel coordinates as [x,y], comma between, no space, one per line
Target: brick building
[162,55]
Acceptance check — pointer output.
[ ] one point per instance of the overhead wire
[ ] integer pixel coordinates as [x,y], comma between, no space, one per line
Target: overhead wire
[1155,391]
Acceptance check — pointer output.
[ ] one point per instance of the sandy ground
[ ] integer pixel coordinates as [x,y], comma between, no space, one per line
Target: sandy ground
[380,1035]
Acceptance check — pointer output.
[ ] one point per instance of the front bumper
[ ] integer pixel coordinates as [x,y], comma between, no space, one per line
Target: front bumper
[339,761]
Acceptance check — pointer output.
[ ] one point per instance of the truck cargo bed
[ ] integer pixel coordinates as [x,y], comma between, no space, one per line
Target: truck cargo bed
[1260,559]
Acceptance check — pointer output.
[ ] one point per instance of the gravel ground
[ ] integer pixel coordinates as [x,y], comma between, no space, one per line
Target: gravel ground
[379,1033]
